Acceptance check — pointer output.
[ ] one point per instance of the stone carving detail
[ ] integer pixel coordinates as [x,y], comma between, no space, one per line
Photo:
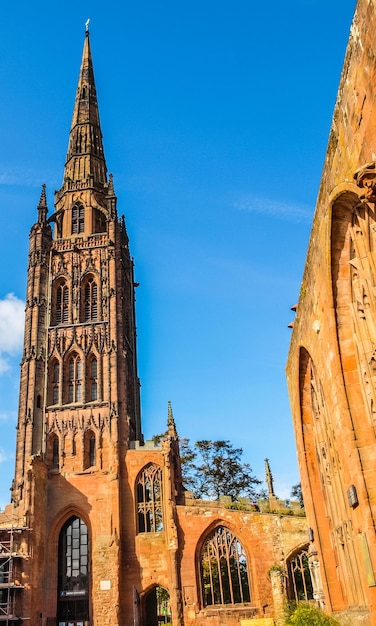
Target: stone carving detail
[77,422]
[61,339]
[365,178]
[363,290]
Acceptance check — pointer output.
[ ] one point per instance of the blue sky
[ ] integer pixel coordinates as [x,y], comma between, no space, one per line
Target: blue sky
[215,118]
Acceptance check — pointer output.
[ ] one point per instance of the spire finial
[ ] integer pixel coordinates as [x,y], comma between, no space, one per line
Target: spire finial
[170,421]
[87,25]
[85,159]
[42,206]
[269,479]
[111,189]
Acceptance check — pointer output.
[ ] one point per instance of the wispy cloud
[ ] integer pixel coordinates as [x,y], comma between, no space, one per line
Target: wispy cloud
[13,175]
[3,456]
[12,315]
[275,208]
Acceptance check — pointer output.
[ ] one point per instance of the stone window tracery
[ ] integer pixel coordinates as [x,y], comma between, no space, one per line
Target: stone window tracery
[55,382]
[62,303]
[93,379]
[73,573]
[224,571]
[149,499]
[78,219]
[74,379]
[299,578]
[90,312]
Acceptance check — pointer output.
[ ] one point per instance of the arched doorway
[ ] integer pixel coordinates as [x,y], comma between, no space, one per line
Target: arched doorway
[157,607]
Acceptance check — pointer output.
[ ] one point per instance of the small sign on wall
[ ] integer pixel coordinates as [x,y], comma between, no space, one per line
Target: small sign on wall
[105,585]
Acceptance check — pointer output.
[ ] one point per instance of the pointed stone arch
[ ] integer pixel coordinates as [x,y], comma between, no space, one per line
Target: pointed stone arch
[149,498]
[223,568]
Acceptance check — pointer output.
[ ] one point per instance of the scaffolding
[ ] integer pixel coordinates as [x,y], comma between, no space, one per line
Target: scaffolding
[11,531]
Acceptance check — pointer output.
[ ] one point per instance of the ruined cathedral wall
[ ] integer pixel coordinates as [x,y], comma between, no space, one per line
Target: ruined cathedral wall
[268,540]
[330,368]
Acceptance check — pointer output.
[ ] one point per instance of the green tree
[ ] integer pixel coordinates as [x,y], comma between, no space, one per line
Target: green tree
[215,468]
[297,493]
[211,469]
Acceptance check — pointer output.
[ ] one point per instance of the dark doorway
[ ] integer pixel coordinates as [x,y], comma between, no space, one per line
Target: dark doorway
[157,607]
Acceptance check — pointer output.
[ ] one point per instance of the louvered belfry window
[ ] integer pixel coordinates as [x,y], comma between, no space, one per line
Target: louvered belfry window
[91,300]
[62,302]
[93,379]
[74,379]
[78,219]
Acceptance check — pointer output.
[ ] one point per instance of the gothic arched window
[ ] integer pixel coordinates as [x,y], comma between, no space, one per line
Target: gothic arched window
[54,382]
[224,573]
[149,499]
[73,573]
[93,379]
[90,449]
[78,219]
[55,452]
[90,300]
[299,577]
[62,303]
[74,379]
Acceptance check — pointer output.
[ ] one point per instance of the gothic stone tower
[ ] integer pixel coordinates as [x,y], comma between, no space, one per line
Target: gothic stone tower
[79,397]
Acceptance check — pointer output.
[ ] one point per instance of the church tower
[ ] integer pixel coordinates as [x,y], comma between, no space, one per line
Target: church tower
[79,367]
[79,403]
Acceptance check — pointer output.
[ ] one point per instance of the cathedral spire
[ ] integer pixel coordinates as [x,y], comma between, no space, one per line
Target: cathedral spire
[85,158]
[171,428]
[42,206]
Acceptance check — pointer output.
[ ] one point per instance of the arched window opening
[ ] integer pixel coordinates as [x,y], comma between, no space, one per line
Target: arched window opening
[149,499]
[55,382]
[39,402]
[90,300]
[55,453]
[299,578]
[73,573]
[74,379]
[78,219]
[99,221]
[62,302]
[93,382]
[90,449]
[224,572]
[157,607]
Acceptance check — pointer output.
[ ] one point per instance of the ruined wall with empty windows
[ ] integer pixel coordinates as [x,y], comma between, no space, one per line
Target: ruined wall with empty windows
[331,368]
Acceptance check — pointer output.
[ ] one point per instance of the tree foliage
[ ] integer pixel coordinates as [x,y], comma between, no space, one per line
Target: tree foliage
[297,493]
[212,469]
[307,615]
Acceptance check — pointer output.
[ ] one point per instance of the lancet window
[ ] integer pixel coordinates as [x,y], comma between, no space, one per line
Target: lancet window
[55,382]
[149,499]
[90,300]
[74,379]
[224,571]
[62,303]
[78,219]
[55,452]
[90,449]
[93,379]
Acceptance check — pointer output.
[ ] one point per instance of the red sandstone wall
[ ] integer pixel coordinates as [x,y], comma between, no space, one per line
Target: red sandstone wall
[318,328]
